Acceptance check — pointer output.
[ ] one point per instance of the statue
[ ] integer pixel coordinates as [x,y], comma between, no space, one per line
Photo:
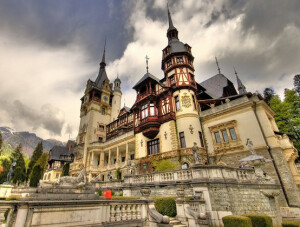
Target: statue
[249,143]
[197,157]
[11,171]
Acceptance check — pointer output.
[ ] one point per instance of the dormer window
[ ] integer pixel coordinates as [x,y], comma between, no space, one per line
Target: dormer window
[179,60]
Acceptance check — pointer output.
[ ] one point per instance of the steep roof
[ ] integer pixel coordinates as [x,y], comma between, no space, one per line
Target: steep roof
[145,77]
[219,86]
[57,151]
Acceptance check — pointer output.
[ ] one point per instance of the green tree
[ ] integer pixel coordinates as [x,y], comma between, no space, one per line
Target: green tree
[297,83]
[1,142]
[38,170]
[288,115]
[19,175]
[268,94]
[65,170]
[38,151]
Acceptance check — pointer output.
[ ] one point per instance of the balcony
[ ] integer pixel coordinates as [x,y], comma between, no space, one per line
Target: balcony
[149,126]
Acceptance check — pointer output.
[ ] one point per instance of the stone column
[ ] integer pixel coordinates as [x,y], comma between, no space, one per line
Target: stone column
[102,155]
[126,154]
[21,215]
[117,157]
[109,158]
[92,165]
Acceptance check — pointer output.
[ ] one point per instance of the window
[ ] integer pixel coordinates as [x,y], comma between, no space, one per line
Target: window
[177,103]
[225,135]
[103,111]
[182,140]
[179,60]
[201,139]
[100,139]
[217,137]
[123,159]
[232,134]
[144,111]
[152,109]
[153,147]
[132,157]
[101,127]
[172,79]
[185,166]
[169,63]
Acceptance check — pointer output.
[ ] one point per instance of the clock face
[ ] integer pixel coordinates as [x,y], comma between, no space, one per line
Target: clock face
[105,98]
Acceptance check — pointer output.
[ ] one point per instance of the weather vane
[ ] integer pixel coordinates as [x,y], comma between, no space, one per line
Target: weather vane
[218,65]
[147,58]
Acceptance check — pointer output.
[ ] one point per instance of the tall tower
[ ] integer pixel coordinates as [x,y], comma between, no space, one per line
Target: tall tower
[177,64]
[95,111]
[116,99]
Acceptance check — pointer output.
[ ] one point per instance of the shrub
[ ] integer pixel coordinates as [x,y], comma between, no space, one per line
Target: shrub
[260,220]
[166,206]
[236,221]
[291,224]
[100,193]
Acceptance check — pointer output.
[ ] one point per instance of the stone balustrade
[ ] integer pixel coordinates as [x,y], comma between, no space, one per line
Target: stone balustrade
[73,213]
[201,173]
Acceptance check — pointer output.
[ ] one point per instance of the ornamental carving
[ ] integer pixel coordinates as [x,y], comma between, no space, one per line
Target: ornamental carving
[186,101]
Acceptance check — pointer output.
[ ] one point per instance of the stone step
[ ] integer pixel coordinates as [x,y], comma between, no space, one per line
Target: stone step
[180,225]
[176,223]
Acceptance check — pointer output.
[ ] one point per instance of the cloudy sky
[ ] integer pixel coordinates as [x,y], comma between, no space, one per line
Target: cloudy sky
[49,49]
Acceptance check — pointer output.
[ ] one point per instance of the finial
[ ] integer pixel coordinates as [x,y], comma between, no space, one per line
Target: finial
[147,67]
[103,56]
[218,65]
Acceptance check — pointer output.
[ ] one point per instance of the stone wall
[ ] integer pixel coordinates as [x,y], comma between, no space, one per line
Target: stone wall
[283,168]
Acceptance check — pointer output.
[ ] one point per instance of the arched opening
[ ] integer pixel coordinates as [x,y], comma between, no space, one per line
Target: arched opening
[185,165]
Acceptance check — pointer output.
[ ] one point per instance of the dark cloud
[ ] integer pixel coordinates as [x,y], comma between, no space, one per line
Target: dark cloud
[21,115]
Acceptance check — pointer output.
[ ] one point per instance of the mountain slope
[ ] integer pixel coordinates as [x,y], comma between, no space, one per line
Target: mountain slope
[26,139]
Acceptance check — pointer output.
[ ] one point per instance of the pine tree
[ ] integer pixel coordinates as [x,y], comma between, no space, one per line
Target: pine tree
[38,151]
[297,83]
[268,94]
[38,170]
[19,175]
[65,170]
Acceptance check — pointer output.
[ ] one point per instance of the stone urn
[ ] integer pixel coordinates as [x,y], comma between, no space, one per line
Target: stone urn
[145,191]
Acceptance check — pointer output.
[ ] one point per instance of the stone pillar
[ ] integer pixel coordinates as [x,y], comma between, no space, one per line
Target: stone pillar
[93,159]
[117,157]
[109,158]
[126,154]
[102,155]
[21,215]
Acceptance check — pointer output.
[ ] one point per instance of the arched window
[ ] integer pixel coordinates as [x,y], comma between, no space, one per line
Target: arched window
[185,166]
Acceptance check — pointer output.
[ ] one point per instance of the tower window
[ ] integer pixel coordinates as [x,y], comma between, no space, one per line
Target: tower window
[103,111]
[182,140]
[101,127]
[100,139]
[152,109]
[144,111]
[177,103]
[169,63]
[172,79]
[153,147]
[179,60]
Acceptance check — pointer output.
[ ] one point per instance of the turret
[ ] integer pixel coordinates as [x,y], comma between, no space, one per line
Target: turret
[116,99]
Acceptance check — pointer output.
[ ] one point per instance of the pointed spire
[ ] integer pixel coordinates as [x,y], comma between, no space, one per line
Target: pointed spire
[103,64]
[172,32]
[218,65]
[171,26]
[241,87]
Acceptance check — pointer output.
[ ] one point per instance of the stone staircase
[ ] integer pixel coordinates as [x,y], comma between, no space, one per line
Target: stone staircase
[175,223]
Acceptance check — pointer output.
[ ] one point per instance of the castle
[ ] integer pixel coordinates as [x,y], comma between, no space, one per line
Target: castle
[171,115]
